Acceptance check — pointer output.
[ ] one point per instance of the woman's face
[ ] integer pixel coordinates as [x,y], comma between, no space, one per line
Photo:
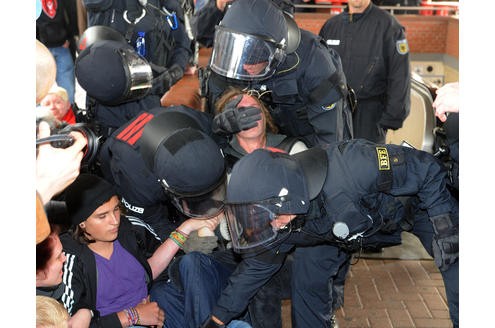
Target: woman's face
[259,129]
[52,275]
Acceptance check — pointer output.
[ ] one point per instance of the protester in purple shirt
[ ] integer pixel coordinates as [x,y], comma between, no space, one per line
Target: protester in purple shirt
[113,260]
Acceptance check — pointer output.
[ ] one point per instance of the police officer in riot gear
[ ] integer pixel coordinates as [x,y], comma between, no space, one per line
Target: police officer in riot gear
[259,47]
[117,78]
[166,156]
[167,49]
[336,195]
[167,165]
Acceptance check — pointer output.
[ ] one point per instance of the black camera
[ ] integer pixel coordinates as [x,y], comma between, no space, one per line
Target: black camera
[60,137]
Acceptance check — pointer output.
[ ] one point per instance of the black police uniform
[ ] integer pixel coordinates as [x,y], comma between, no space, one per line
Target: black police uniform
[362,179]
[123,165]
[166,46]
[304,96]
[265,307]
[204,21]
[375,56]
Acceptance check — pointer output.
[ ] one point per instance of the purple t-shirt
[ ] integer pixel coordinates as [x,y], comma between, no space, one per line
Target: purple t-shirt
[121,281]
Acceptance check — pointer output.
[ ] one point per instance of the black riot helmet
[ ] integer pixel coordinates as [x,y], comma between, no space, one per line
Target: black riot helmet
[252,40]
[265,184]
[187,162]
[111,71]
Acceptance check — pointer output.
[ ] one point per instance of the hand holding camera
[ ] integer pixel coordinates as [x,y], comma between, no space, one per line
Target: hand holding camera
[56,168]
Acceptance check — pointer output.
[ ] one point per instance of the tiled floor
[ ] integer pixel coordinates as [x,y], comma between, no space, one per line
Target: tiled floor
[391,293]
[398,288]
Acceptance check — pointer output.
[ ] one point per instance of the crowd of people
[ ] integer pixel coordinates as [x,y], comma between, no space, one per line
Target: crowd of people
[191,218]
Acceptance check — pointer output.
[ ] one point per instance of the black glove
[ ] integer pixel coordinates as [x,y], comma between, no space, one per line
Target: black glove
[445,244]
[172,75]
[233,120]
[211,324]
[204,244]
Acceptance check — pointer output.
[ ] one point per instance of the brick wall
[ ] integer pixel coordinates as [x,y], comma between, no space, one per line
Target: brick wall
[425,34]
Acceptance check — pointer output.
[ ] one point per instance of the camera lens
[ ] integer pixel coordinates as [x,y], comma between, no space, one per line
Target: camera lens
[91,149]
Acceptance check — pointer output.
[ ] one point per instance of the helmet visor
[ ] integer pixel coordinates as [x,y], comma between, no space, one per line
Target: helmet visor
[205,205]
[243,56]
[250,226]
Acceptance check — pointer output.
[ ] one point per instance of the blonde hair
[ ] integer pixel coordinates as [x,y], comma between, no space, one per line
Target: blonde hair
[50,313]
[231,92]
[45,71]
[59,91]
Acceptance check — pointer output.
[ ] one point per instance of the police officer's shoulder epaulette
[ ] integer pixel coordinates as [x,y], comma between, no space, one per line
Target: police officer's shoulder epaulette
[385,178]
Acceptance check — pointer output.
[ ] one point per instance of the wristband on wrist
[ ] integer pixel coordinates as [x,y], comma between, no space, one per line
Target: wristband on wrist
[182,233]
[132,316]
[178,238]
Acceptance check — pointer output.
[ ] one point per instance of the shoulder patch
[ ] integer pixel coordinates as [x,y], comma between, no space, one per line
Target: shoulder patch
[402,46]
[383,159]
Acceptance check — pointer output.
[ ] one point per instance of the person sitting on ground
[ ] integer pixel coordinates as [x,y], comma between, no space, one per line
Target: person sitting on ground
[49,262]
[114,261]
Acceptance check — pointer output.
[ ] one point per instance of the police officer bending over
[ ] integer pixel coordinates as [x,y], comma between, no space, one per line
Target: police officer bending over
[259,47]
[166,156]
[336,195]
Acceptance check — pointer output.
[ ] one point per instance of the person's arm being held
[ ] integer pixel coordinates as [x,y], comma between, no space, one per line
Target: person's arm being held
[162,257]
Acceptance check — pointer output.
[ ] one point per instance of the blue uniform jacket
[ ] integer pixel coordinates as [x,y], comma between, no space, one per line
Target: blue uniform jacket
[355,173]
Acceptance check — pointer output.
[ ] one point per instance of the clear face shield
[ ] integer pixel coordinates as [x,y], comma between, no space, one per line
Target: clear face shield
[205,205]
[252,227]
[243,56]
